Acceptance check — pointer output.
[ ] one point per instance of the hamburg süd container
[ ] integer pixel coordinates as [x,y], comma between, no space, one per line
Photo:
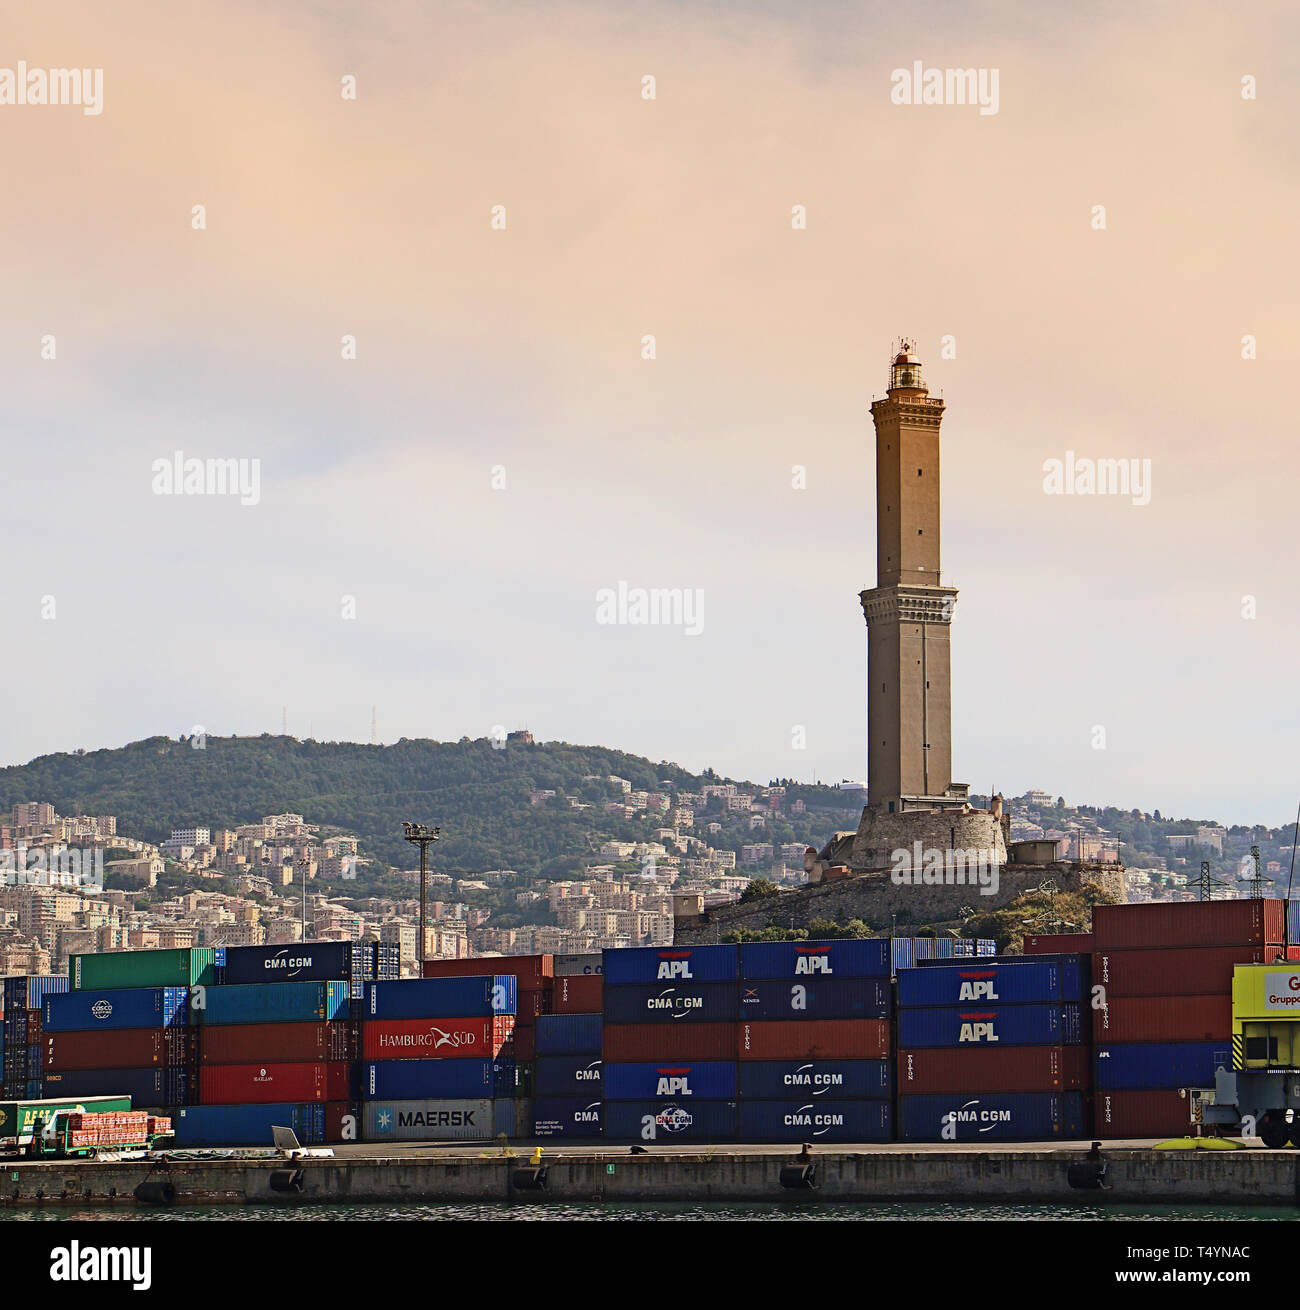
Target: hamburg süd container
[120,1048]
[132,1007]
[18,1116]
[578,994]
[1164,1019]
[802,961]
[575,1117]
[283,1043]
[945,1071]
[670,1122]
[689,1041]
[433,1080]
[248,1125]
[243,1084]
[815,1121]
[560,1076]
[441,1039]
[812,1039]
[148,1088]
[442,998]
[1164,1113]
[704,1080]
[641,965]
[821,1080]
[984,982]
[1188,923]
[670,1003]
[304,962]
[287,1002]
[569,1034]
[1000,1025]
[1150,1066]
[183,967]
[819,998]
[1187,971]
[991,1117]
[453,1120]
[573,965]
[533,972]
[1266,991]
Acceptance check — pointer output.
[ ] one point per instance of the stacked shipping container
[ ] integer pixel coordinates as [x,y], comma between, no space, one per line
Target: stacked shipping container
[20,1033]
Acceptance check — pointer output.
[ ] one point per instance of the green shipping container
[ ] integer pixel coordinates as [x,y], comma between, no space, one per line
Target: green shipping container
[190,967]
[18,1117]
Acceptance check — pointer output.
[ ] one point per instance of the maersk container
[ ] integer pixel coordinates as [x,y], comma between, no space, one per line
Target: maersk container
[18,1115]
[247,1125]
[1003,984]
[147,1088]
[1164,1019]
[245,1084]
[533,972]
[986,1025]
[437,1120]
[27,993]
[676,1003]
[569,1034]
[567,1076]
[1150,1066]
[991,1117]
[705,1080]
[815,1121]
[572,965]
[288,1002]
[1189,923]
[811,1039]
[819,1080]
[1192,971]
[671,1122]
[804,961]
[184,967]
[432,1080]
[818,998]
[442,998]
[306,962]
[631,965]
[946,1071]
[683,1041]
[574,1117]
[132,1007]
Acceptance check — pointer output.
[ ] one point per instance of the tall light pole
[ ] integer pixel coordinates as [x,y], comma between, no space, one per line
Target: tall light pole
[422,834]
[302,864]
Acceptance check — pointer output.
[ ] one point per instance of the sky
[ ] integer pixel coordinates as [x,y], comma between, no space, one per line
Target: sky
[495,224]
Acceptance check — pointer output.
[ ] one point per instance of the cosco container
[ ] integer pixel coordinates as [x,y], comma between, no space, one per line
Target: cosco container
[18,1116]
[820,1080]
[991,1117]
[1188,923]
[305,962]
[437,1120]
[1142,1066]
[813,1039]
[670,1003]
[287,1002]
[27,993]
[670,1122]
[815,1121]
[1164,1113]
[431,1080]
[242,1084]
[569,1034]
[1187,972]
[533,972]
[671,964]
[991,1025]
[424,1039]
[1164,1019]
[803,961]
[247,1125]
[442,998]
[186,967]
[981,982]
[940,1070]
[569,1116]
[567,1076]
[684,1041]
[133,1007]
[283,1043]
[705,1080]
[829,998]
[578,994]
[573,965]
[147,1088]
[122,1048]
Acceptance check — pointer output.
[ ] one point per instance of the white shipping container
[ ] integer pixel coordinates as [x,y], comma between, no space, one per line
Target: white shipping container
[568,965]
[437,1121]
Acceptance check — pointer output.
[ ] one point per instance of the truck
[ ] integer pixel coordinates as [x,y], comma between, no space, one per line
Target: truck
[72,1134]
[18,1118]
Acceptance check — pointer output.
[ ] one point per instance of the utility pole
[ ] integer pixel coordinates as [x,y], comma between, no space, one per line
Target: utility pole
[303,862]
[421,834]
[1257,880]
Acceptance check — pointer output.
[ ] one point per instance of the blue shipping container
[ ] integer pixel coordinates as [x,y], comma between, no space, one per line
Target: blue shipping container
[986,983]
[830,998]
[670,1122]
[997,1117]
[657,1003]
[28,992]
[851,958]
[1084,961]
[297,1002]
[147,1088]
[825,1080]
[431,1080]
[126,1007]
[247,1125]
[666,964]
[569,1116]
[441,998]
[1293,923]
[1156,1066]
[815,1121]
[984,1025]
[900,953]
[568,1034]
[309,962]
[567,1076]
[707,1080]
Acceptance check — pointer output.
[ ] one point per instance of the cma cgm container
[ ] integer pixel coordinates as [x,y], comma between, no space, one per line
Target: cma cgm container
[578,994]
[705,1080]
[287,1002]
[572,965]
[812,1039]
[568,1116]
[671,1122]
[283,1043]
[1162,1113]
[569,1034]
[669,964]
[823,1080]
[1189,923]
[18,1117]
[818,998]
[1173,972]
[188,967]
[122,1048]
[710,1002]
[1003,1025]
[27,993]
[442,998]
[557,1076]
[1059,943]
[247,1125]
[146,1087]
[133,1007]
[1142,1066]
[992,1069]
[991,1117]
[432,1080]
[242,1084]
[815,1121]
[306,962]
[437,1120]
[1164,1019]
[1007,984]
[688,1041]
[850,958]
[533,972]
[424,1039]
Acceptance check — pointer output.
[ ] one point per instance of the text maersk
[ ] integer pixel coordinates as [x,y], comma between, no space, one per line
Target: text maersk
[436,1119]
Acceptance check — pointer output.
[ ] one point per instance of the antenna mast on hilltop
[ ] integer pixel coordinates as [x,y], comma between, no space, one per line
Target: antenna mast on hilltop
[374,731]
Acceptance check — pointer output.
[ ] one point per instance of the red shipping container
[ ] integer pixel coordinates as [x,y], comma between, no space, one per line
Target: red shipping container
[279,1043]
[342,1121]
[1141,1114]
[1164,1019]
[666,1041]
[533,972]
[1191,971]
[1293,952]
[1010,1069]
[122,1048]
[532,1003]
[579,993]
[524,1044]
[429,1039]
[814,1039]
[1189,923]
[248,1084]
[1061,943]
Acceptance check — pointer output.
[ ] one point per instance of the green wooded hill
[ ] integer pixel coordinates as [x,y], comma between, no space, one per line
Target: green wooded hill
[478,794]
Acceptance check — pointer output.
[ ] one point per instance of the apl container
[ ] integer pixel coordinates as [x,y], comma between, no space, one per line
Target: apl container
[533,972]
[705,1080]
[812,1039]
[569,1034]
[442,1039]
[1148,1066]
[994,1069]
[670,1122]
[283,1043]
[443,998]
[247,1125]
[133,1007]
[1192,971]
[147,1088]
[829,998]
[121,1048]
[991,1117]
[991,1025]
[689,1041]
[815,1121]
[820,1080]
[576,1118]
[185,967]
[1164,1019]
[305,962]
[573,965]
[1141,1114]
[1189,923]
[981,983]
[431,1080]
[671,964]
[287,1002]
[804,961]
[561,1076]
[243,1084]
[676,1003]
[437,1120]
